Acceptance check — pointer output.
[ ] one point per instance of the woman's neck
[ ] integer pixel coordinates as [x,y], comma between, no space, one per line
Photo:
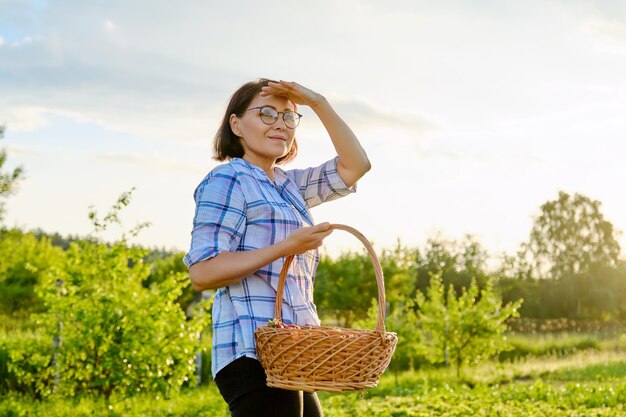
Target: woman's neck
[266,166]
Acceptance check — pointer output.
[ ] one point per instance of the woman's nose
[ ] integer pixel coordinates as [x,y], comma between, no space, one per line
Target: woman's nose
[280,124]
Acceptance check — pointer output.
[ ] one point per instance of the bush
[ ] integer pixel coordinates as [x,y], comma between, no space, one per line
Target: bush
[23,261]
[161,268]
[114,335]
[403,322]
[27,354]
[466,329]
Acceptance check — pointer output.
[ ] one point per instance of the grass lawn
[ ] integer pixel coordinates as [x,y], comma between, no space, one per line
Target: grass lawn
[590,383]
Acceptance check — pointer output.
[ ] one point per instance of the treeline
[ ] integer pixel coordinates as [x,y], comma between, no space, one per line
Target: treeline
[346,285]
[569,268]
[27,256]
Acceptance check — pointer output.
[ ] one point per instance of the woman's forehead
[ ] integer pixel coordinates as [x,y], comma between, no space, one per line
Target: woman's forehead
[280,103]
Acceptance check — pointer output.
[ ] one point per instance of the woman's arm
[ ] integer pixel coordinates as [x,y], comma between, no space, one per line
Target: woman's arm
[229,267]
[353,162]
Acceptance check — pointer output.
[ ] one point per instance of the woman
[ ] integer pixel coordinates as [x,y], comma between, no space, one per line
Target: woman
[250,214]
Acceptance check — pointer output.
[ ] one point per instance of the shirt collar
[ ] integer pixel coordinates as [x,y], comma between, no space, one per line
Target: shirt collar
[280,183]
[279,175]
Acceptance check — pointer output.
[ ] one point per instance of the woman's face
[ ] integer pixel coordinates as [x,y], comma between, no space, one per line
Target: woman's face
[262,143]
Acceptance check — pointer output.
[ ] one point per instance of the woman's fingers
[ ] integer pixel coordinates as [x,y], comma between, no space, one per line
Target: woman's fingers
[322,227]
[307,238]
[316,235]
[290,90]
[281,89]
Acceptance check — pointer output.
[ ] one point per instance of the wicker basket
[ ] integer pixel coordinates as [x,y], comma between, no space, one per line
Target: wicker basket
[318,358]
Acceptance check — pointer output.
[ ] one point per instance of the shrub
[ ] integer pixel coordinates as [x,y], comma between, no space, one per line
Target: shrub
[114,335]
[466,329]
[23,261]
[27,354]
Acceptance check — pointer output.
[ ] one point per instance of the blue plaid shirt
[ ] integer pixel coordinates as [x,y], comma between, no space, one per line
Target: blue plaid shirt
[238,208]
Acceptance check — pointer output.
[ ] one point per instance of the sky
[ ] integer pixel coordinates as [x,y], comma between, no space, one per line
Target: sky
[472,113]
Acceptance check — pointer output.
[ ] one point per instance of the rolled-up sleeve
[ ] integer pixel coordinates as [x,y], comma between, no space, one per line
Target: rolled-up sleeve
[220,218]
[320,184]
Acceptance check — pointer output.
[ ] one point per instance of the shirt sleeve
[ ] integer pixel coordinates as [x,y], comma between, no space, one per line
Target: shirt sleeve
[220,218]
[320,184]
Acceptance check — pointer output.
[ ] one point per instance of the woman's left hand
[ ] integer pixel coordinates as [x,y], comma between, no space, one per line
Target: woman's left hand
[293,92]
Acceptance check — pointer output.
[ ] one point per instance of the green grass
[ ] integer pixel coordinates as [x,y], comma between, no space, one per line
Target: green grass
[521,399]
[205,401]
[613,371]
[589,383]
[557,344]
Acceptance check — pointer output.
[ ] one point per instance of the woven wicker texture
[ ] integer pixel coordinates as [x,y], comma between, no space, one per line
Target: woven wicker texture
[318,358]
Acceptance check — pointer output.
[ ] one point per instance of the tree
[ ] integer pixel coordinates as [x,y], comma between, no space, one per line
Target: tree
[162,267]
[113,335]
[403,321]
[457,262]
[345,287]
[8,180]
[570,236]
[399,269]
[462,330]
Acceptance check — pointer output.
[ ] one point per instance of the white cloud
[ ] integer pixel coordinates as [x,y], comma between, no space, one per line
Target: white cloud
[143,94]
[152,161]
[610,35]
[24,119]
[26,40]
[365,114]
[1,41]
[134,75]
[611,29]
[19,150]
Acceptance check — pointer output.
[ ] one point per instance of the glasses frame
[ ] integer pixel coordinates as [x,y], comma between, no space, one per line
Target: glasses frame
[279,115]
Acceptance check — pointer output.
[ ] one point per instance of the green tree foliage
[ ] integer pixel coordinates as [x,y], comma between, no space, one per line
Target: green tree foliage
[62,241]
[24,259]
[599,294]
[516,266]
[572,243]
[457,262]
[462,330]
[163,264]
[403,321]
[570,236]
[8,180]
[115,336]
[344,287]
[399,268]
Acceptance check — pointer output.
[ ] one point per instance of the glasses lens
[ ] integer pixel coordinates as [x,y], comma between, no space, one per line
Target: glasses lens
[269,115]
[291,119]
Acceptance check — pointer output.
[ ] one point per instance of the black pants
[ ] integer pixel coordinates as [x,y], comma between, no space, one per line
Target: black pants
[242,384]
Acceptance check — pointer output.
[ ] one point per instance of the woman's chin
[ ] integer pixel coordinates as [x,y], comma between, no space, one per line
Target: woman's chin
[280,152]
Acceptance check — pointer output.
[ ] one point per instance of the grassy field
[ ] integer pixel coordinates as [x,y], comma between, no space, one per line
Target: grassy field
[587,383]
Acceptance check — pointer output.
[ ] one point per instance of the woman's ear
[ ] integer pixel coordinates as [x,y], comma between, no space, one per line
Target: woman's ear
[234,124]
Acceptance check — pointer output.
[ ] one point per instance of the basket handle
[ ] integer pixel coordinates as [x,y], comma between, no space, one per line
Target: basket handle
[380,324]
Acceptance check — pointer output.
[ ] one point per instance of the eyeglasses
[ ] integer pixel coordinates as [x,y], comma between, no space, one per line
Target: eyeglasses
[270,115]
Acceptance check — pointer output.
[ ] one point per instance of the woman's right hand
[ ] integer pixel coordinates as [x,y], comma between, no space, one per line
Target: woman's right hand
[305,239]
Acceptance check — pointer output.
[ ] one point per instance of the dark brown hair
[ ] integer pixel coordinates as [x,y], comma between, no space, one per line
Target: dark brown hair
[227,145]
